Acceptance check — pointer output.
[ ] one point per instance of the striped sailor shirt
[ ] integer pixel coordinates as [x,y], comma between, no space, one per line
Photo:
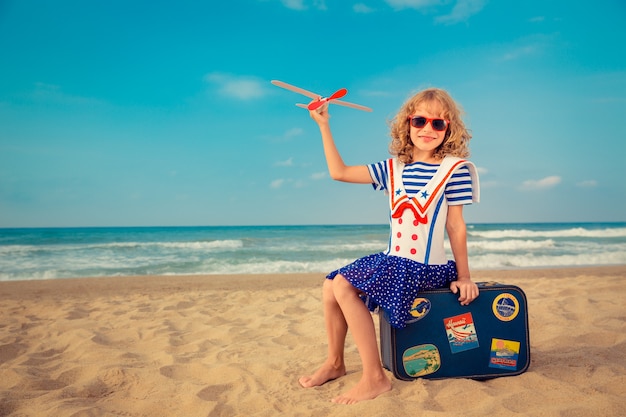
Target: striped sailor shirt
[416,175]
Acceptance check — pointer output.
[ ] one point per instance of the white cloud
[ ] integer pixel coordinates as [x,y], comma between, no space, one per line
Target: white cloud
[281,182]
[302,4]
[462,11]
[319,4]
[54,94]
[412,4]
[377,93]
[238,87]
[287,163]
[291,133]
[489,184]
[319,175]
[362,8]
[287,136]
[587,184]
[542,184]
[519,52]
[277,183]
[294,4]
[528,46]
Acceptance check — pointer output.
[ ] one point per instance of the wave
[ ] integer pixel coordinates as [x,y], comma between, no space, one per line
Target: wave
[210,245]
[226,266]
[365,246]
[570,233]
[479,262]
[511,245]
[276,267]
[199,245]
[69,254]
[213,267]
[495,261]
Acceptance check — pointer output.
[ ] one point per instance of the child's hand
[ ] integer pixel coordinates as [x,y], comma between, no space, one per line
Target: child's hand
[467,290]
[320,115]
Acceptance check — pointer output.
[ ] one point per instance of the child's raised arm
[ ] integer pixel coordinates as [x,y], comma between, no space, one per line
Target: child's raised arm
[337,169]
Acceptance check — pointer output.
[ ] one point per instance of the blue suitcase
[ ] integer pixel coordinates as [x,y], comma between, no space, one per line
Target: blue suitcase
[487,339]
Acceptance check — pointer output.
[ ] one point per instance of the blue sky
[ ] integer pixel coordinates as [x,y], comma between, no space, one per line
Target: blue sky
[132,113]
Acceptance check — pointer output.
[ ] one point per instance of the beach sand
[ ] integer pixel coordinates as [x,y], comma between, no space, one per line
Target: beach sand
[235,346]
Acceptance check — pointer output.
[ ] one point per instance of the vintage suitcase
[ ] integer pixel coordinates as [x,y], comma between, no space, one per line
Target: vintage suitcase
[487,339]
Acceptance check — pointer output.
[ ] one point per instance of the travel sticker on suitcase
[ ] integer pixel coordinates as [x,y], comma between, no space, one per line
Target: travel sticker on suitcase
[504,354]
[421,360]
[461,332]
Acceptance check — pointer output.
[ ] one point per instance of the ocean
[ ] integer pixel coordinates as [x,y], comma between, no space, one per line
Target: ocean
[50,253]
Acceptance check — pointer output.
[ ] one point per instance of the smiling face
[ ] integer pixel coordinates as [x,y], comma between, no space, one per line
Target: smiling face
[426,139]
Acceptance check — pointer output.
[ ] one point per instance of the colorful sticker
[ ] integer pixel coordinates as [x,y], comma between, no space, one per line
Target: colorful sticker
[505,307]
[504,354]
[461,332]
[421,360]
[419,309]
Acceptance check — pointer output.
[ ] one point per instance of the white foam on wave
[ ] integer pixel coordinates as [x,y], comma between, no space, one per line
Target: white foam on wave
[367,246]
[268,266]
[209,245]
[29,276]
[198,245]
[510,245]
[527,233]
[496,261]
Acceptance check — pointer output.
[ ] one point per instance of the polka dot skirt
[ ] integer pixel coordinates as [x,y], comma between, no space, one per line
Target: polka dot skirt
[392,282]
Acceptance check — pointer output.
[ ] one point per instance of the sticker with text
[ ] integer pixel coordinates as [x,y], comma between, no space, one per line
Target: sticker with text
[504,354]
[461,332]
[505,307]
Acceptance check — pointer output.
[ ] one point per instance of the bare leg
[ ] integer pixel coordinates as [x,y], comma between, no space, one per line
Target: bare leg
[336,330]
[373,382]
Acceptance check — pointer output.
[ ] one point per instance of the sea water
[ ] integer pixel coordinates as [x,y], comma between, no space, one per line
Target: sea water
[47,253]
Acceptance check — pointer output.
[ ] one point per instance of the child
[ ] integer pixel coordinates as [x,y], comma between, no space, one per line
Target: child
[428,184]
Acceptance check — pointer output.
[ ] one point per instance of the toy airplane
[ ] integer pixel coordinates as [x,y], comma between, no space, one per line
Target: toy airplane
[333,98]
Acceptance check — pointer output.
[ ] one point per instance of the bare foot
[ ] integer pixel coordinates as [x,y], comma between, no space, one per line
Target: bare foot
[327,372]
[364,390]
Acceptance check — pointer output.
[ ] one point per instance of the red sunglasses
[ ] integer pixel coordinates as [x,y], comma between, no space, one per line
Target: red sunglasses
[420,121]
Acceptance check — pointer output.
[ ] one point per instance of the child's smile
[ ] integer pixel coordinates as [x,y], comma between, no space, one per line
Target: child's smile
[426,139]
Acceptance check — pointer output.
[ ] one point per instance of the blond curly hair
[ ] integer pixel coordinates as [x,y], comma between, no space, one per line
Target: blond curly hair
[456,140]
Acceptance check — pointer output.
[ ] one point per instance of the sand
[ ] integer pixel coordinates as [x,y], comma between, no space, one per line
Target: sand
[235,346]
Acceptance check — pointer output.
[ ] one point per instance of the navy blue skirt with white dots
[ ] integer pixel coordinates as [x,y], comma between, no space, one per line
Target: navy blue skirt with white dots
[392,282]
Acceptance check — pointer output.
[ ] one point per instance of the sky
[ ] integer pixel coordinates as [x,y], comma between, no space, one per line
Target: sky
[161,113]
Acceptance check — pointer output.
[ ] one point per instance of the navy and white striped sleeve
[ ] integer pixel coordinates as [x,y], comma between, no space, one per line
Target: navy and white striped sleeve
[460,188]
[380,175]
